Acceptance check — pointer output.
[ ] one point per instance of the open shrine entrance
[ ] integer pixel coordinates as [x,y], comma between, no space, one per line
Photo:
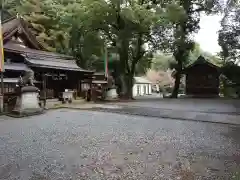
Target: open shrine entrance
[57,81]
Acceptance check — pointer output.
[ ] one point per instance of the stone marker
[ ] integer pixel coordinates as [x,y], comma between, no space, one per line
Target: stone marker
[27,101]
[111,94]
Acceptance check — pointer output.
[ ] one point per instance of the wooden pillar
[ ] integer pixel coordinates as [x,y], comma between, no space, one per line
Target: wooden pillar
[90,83]
[79,90]
[44,83]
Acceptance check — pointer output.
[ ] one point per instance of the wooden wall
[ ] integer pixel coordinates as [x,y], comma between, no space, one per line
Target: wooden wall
[202,80]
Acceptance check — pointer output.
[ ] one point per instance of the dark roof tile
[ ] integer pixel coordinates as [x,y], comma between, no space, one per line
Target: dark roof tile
[16,67]
[12,46]
[13,25]
[55,64]
[201,60]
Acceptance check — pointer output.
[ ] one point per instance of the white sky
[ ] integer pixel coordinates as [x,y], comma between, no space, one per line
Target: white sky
[207,36]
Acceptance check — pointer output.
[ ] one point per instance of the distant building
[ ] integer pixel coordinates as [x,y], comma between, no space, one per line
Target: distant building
[202,79]
[142,87]
[160,79]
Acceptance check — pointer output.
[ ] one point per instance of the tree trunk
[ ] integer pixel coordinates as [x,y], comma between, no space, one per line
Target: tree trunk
[129,79]
[178,57]
[176,85]
[126,86]
[123,89]
[123,67]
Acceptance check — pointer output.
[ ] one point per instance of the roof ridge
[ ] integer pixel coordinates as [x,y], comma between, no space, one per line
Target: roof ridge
[24,25]
[199,60]
[9,19]
[57,56]
[56,59]
[206,60]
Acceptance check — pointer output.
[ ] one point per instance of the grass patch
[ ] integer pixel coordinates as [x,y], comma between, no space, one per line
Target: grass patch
[236,176]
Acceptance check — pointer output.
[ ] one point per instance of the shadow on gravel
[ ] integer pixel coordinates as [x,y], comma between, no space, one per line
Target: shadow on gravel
[172,114]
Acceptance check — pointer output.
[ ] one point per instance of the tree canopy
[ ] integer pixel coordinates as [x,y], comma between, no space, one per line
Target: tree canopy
[228,39]
[230,33]
[132,29]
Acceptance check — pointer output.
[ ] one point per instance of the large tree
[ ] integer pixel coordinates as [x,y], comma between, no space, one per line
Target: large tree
[184,26]
[229,41]
[126,26]
[229,34]
[84,42]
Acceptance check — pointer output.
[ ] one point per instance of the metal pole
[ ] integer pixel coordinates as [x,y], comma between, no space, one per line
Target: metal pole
[44,89]
[2,83]
[106,62]
[2,92]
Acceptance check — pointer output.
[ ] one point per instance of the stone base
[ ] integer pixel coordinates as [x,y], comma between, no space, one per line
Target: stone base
[17,114]
[1,104]
[111,94]
[27,102]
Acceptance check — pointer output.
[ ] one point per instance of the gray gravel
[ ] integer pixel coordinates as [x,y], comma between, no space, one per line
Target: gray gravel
[71,144]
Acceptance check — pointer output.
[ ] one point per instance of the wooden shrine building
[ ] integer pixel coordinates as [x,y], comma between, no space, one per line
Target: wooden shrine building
[53,72]
[202,79]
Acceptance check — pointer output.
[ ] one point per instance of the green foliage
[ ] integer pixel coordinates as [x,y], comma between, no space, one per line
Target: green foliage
[162,61]
[231,74]
[236,176]
[229,34]
[11,5]
[127,27]
[197,51]
[43,21]
[144,64]
[229,41]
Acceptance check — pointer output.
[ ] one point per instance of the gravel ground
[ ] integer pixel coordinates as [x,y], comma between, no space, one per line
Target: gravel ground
[72,144]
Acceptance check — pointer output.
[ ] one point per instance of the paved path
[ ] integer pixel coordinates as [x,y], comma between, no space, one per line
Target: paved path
[73,144]
[204,110]
[227,106]
[172,114]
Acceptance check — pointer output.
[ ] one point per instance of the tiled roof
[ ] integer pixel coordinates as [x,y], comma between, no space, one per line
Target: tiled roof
[16,66]
[44,59]
[50,63]
[12,46]
[142,80]
[5,14]
[201,60]
[13,25]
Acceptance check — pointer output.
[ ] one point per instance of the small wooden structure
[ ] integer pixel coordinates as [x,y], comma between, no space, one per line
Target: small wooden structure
[202,79]
[53,72]
[98,86]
